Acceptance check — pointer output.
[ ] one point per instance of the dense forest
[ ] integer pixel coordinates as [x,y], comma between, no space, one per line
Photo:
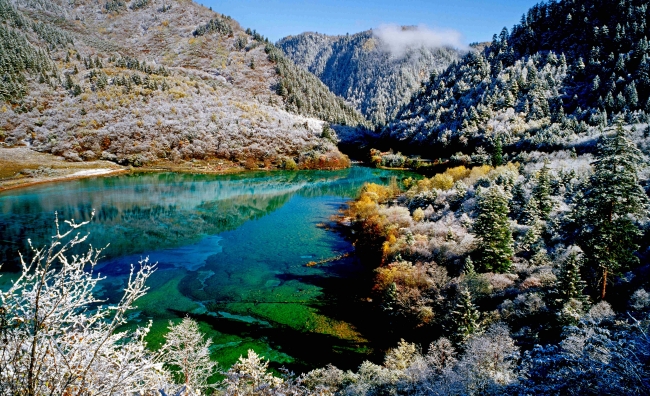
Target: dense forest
[362,68]
[523,262]
[566,67]
[141,81]
[520,267]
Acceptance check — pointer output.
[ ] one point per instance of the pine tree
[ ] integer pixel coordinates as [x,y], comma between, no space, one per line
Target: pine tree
[465,317]
[532,239]
[68,82]
[570,302]
[492,229]
[632,95]
[612,196]
[188,353]
[570,285]
[497,156]
[542,192]
[468,267]
[389,300]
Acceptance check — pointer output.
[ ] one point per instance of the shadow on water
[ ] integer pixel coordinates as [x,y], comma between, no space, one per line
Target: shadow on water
[308,349]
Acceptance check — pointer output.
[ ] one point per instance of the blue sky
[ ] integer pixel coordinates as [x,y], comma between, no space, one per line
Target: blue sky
[476,20]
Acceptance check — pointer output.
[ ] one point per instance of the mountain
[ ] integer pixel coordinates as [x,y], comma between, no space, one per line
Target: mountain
[568,67]
[144,80]
[368,72]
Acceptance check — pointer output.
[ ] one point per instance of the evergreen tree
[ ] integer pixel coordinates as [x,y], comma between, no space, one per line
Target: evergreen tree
[493,230]
[497,156]
[68,82]
[612,196]
[468,267]
[570,285]
[542,192]
[465,318]
[389,300]
[570,301]
[532,239]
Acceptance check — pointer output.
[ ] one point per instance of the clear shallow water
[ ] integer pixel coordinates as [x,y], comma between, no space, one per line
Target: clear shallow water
[231,251]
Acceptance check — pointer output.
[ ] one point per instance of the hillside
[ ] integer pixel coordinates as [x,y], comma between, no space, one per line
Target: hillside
[139,81]
[523,262]
[364,70]
[567,68]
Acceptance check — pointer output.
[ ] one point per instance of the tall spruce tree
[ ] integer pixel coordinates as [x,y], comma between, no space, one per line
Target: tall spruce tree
[492,228]
[570,301]
[570,285]
[542,192]
[465,318]
[611,199]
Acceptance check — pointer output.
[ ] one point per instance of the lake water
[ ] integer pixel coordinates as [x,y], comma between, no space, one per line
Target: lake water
[231,252]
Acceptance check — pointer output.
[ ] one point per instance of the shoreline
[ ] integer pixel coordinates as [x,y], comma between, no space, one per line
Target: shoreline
[39,168]
[4,186]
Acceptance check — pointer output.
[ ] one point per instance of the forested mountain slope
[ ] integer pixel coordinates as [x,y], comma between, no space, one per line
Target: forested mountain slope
[141,80]
[567,66]
[528,251]
[362,69]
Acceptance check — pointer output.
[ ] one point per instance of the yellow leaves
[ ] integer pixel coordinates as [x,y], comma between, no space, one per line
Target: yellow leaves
[364,206]
[442,181]
[385,248]
[165,23]
[401,272]
[377,192]
[177,93]
[245,106]
[423,185]
[418,215]
[458,173]
[4,109]
[478,172]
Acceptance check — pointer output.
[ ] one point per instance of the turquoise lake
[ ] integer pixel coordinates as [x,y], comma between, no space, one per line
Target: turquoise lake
[232,252]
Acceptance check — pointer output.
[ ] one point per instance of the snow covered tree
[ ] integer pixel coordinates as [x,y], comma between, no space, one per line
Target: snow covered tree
[186,351]
[569,298]
[465,318]
[492,229]
[59,340]
[569,282]
[542,192]
[612,198]
[250,376]
[497,155]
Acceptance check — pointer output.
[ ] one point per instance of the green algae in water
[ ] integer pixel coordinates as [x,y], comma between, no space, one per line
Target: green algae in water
[231,252]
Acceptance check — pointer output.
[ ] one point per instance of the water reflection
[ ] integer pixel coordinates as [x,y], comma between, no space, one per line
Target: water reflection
[231,249]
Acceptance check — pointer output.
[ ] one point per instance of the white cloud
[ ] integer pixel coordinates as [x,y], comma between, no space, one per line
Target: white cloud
[398,39]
